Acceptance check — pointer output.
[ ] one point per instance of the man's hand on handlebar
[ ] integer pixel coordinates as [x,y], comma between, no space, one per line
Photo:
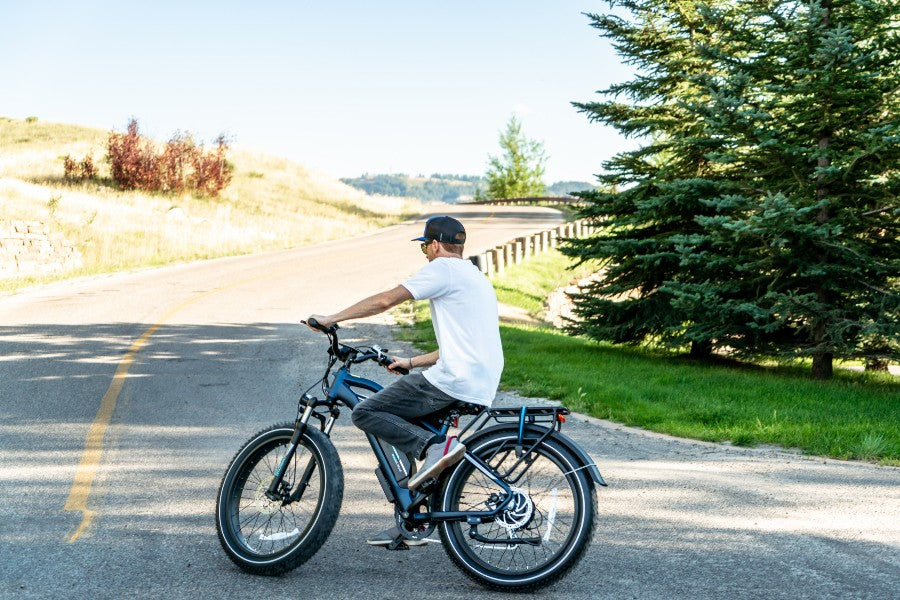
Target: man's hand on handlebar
[323,321]
[399,366]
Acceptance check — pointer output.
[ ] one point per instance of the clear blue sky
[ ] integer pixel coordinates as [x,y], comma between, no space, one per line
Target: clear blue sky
[344,87]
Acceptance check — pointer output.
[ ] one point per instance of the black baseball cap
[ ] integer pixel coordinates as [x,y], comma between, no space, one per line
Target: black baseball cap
[443,229]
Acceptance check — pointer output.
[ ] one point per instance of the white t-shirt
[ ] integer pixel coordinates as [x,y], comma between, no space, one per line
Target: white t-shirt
[464,314]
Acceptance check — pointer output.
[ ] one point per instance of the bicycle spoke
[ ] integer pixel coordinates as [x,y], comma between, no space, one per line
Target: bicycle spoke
[267,526]
[543,512]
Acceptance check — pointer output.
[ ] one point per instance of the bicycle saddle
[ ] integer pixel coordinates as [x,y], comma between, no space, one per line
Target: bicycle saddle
[466,408]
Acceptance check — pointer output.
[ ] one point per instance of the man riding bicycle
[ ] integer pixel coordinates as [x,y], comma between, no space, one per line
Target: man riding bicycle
[466,366]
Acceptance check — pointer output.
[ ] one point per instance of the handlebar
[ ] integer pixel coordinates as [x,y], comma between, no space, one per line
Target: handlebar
[316,325]
[344,352]
[385,360]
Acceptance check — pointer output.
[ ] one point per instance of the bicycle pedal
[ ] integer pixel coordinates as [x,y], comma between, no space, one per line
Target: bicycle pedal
[398,544]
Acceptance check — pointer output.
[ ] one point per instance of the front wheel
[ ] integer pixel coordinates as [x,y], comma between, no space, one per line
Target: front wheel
[269,534]
[543,531]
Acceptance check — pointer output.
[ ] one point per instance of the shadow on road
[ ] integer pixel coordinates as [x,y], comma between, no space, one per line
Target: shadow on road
[679,520]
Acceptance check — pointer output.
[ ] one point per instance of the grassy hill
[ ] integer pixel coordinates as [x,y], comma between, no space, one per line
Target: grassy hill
[272,203]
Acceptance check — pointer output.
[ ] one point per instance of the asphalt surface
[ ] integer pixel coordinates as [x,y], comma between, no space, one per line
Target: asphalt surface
[209,353]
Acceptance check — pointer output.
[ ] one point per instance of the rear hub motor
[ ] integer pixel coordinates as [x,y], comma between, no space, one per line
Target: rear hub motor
[519,511]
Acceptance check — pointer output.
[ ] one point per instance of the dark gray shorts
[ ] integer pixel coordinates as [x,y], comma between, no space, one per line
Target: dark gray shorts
[387,414]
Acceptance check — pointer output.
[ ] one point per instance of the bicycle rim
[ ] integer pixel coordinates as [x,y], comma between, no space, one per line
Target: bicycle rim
[550,509]
[264,528]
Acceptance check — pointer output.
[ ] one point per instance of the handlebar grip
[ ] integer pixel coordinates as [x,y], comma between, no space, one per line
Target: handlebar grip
[386,361]
[316,325]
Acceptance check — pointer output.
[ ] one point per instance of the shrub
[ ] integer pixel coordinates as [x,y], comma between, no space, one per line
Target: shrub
[181,166]
[132,160]
[78,171]
[212,172]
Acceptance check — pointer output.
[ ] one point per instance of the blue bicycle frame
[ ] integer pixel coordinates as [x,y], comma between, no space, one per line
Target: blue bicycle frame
[342,391]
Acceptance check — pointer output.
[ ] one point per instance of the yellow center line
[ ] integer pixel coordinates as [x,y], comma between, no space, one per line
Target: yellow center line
[93,445]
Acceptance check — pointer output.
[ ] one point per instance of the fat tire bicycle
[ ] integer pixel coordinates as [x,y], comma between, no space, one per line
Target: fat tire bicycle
[515,514]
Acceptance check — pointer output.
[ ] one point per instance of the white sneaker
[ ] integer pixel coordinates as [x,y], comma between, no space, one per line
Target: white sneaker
[389,536]
[437,458]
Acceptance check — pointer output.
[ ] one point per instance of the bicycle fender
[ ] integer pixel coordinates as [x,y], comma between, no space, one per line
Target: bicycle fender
[581,455]
[584,460]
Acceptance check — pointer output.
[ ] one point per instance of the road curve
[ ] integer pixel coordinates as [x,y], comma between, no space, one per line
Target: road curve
[167,371]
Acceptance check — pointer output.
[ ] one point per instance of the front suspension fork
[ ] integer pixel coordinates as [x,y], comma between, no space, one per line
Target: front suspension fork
[274,491]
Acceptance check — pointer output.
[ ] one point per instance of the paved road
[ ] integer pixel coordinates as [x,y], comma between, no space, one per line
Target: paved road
[191,360]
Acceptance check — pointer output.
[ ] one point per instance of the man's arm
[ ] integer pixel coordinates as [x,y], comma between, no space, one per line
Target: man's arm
[367,307]
[422,360]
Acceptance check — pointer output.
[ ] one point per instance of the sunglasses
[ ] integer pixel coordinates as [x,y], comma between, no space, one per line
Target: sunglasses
[424,246]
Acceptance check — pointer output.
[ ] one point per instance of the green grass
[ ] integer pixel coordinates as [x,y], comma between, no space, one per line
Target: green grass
[527,285]
[853,416]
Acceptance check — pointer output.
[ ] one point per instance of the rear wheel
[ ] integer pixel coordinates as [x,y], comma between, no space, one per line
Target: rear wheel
[271,535]
[543,531]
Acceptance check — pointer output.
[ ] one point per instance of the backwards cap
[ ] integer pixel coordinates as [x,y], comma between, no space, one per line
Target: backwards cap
[443,229]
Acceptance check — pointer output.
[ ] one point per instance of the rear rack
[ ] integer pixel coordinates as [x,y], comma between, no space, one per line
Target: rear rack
[549,416]
[528,414]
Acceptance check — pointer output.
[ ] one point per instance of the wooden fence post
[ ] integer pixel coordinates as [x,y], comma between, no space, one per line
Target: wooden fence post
[497,258]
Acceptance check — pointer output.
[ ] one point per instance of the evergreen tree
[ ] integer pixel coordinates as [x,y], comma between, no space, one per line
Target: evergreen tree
[650,198]
[762,216]
[518,172]
[806,93]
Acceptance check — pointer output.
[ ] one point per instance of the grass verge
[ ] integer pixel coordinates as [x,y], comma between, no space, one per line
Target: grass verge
[853,416]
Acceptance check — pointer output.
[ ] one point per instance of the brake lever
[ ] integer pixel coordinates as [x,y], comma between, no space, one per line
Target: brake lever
[384,360]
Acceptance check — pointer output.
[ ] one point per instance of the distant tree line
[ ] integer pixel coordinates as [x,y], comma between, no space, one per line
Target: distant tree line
[567,188]
[440,187]
[436,188]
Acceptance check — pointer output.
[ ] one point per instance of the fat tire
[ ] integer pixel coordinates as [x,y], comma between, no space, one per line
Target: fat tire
[323,516]
[454,535]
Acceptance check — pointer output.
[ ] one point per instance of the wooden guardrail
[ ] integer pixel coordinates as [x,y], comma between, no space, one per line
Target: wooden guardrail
[530,200]
[494,261]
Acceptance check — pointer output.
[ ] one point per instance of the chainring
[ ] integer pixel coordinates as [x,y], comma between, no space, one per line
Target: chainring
[409,531]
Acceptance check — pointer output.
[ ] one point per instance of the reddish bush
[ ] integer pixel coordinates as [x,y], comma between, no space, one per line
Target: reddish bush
[181,166]
[88,170]
[132,160]
[212,172]
[71,167]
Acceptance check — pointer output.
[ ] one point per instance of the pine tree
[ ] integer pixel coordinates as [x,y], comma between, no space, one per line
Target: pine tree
[762,215]
[806,93]
[518,172]
[658,190]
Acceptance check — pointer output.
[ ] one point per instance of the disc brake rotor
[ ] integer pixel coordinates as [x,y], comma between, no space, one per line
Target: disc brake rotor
[519,510]
[264,504]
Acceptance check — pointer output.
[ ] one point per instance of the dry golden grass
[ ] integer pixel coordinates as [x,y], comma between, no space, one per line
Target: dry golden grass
[272,203]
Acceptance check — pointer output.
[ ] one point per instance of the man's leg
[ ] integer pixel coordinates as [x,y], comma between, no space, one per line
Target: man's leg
[386,415]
